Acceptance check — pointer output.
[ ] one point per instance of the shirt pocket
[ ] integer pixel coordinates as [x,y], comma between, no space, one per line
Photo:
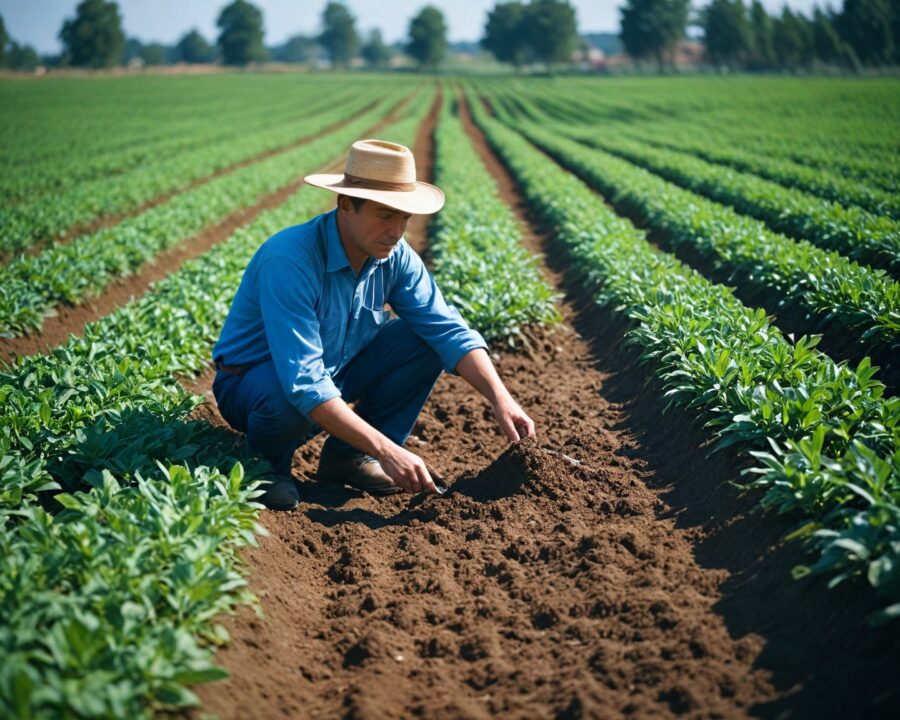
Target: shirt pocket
[369,323]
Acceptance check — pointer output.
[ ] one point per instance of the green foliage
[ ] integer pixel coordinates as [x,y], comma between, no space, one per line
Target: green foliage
[339,36]
[865,304]
[428,37]
[115,127]
[479,261]
[22,57]
[792,39]
[193,49]
[822,427]
[154,54]
[94,38]
[107,603]
[867,26]
[542,30]
[652,28]
[297,49]
[551,31]
[727,32]
[762,53]
[241,33]
[110,605]
[827,44]
[32,221]
[850,230]
[4,41]
[504,33]
[374,51]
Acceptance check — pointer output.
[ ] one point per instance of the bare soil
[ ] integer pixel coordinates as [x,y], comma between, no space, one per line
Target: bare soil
[607,570]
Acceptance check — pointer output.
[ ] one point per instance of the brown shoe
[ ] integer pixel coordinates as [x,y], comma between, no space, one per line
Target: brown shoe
[361,471]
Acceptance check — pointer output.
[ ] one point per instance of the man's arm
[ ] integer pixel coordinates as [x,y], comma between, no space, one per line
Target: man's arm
[478,370]
[403,467]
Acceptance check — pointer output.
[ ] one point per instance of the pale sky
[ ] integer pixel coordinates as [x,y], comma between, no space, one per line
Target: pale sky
[37,22]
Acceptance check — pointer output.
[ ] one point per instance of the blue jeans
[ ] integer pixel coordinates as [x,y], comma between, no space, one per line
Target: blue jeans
[391,378]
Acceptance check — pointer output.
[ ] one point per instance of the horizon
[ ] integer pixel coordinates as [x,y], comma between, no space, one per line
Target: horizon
[37,22]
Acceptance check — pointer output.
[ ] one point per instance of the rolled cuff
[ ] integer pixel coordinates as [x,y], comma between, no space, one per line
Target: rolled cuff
[451,356]
[308,397]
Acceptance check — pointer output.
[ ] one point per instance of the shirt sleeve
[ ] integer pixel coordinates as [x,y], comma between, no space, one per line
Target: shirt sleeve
[287,298]
[416,298]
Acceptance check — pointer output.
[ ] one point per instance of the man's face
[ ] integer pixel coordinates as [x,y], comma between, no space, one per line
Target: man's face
[373,230]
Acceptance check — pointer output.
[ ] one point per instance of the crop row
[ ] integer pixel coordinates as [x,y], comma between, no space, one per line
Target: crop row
[39,220]
[476,245]
[862,304]
[826,440]
[32,286]
[789,174]
[110,603]
[55,174]
[104,117]
[835,152]
[851,231]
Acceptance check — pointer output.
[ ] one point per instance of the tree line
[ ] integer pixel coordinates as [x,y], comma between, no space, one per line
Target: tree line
[94,38]
[864,33]
[736,36]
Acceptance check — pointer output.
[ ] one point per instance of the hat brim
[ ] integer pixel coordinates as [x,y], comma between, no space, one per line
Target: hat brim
[426,199]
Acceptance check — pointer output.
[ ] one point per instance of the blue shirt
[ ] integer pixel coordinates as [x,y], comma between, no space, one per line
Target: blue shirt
[301,304]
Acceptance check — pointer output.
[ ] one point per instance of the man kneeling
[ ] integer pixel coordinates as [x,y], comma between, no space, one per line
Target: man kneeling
[308,332]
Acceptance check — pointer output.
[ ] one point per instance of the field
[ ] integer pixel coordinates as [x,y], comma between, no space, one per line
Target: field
[691,285]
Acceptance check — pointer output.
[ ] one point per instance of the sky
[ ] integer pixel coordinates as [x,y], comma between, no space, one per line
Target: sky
[37,22]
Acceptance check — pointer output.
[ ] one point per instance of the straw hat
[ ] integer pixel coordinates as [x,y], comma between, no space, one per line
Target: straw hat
[386,173]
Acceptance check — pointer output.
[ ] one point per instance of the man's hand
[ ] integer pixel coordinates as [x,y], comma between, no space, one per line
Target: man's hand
[478,370]
[406,469]
[403,467]
[513,421]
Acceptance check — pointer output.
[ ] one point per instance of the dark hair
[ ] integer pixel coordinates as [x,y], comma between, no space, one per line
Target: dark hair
[358,202]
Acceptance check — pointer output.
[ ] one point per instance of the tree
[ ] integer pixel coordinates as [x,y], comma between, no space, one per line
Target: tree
[193,49]
[827,44]
[792,40]
[504,33]
[374,51]
[94,38]
[4,41]
[727,32]
[866,26]
[762,53]
[154,54]
[22,57]
[297,49]
[132,49]
[339,37]
[428,37]
[551,31]
[652,28]
[241,34]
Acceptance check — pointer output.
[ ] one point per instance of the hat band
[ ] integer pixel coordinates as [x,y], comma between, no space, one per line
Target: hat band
[369,184]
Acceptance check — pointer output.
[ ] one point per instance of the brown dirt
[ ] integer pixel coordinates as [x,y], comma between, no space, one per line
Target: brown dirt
[423,150]
[635,583]
[71,320]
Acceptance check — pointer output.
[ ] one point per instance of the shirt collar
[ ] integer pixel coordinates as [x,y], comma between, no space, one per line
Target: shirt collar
[335,257]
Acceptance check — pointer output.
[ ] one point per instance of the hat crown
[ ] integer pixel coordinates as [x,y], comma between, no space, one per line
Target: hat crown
[381,161]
